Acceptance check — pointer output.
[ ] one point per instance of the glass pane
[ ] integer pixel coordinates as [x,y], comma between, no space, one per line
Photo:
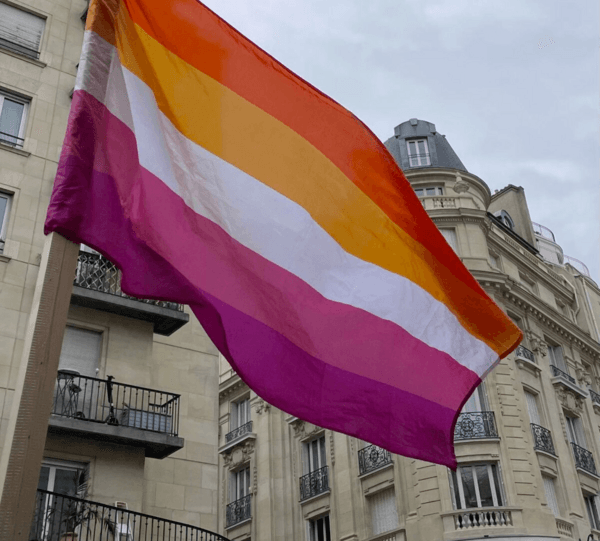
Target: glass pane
[327,534]
[422,149]
[10,120]
[468,485]
[65,482]
[455,493]
[497,484]
[44,475]
[3,205]
[419,192]
[485,488]
[411,148]
[322,451]
[430,191]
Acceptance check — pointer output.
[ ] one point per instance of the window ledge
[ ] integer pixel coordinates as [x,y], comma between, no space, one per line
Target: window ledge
[377,470]
[33,61]
[18,151]
[316,496]
[526,364]
[237,441]
[5,258]
[240,523]
[560,380]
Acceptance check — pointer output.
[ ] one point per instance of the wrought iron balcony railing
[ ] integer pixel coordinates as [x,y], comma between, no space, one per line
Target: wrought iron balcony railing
[584,459]
[595,397]
[475,425]
[372,458]
[106,401]
[238,511]
[557,372]
[542,439]
[238,432]
[99,274]
[522,351]
[57,515]
[313,483]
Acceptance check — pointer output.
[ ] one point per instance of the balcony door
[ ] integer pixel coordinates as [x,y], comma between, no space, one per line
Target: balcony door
[575,431]
[314,455]
[240,413]
[532,408]
[239,484]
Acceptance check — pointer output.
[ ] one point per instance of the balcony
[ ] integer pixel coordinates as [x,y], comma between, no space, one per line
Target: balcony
[558,373]
[56,516]
[372,458]
[238,511]
[479,519]
[103,409]
[543,231]
[475,426]
[584,460]
[542,439]
[97,285]
[314,483]
[595,397]
[523,353]
[238,432]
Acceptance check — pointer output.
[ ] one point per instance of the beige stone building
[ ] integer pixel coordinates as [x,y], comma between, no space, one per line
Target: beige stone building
[527,441]
[155,450]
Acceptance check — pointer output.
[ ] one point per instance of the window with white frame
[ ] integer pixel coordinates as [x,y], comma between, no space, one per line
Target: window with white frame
[431,190]
[20,31]
[477,401]
[450,235]
[5,203]
[532,408]
[13,112]
[240,413]
[575,431]
[418,152]
[239,484]
[550,490]
[476,485]
[318,529]
[313,453]
[593,510]
[556,358]
[81,349]
[384,513]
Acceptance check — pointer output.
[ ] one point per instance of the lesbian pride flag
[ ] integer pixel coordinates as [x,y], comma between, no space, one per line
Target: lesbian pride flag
[215,177]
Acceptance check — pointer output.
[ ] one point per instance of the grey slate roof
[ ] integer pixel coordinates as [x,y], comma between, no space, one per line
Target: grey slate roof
[440,151]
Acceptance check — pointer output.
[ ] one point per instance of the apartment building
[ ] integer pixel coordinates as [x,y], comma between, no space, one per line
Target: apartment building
[133,430]
[527,441]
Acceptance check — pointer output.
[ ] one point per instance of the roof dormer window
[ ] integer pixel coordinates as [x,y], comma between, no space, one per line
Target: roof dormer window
[418,152]
[505,218]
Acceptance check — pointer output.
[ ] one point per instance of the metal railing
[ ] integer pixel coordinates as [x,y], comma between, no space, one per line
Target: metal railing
[557,372]
[57,515]
[543,231]
[415,160]
[11,140]
[238,511]
[523,352]
[577,265]
[542,439]
[106,401]
[238,432]
[99,274]
[16,48]
[475,425]
[584,459]
[595,397]
[313,483]
[372,458]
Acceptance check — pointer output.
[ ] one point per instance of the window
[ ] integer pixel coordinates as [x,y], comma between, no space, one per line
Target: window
[5,201]
[591,504]
[575,431]
[527,283]
[505,218]
[239,484]
[20,31]
[13,111]
[318,529]
[314,455]
[476,485]
[532,408]
[434,190]
[550,491]
[240,413]
[450,236]
[477,401]
[418,152]
[81,351]
[556,358]
[494,261]
[384,514]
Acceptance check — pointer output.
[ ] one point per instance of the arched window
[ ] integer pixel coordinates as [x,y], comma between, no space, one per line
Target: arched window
[505,218]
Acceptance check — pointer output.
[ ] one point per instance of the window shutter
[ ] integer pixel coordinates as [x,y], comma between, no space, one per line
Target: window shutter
[20,30]
[81,351]
[534,414]
[450,236]
[551,495]
[384,514]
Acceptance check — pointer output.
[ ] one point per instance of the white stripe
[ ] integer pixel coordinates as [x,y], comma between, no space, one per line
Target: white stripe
[269,224]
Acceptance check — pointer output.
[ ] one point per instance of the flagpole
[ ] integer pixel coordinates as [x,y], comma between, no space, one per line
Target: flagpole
[32,401]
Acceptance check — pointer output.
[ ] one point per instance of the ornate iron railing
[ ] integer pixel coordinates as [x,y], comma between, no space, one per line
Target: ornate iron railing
[56,515]
[372,458]
[557,372]
[106,401]
[595,397]
[542,439]
[238,511]
[99,274]
[238,432]
[313,483]
[522,351]
[475,425]
[584,459]
[11,140]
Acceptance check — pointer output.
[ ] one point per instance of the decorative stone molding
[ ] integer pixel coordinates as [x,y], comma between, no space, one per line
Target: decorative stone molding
[304,430]
[569,400]
[231,387]
[583,377]
[461,186]
[331,449]
[261,406]
[238,455]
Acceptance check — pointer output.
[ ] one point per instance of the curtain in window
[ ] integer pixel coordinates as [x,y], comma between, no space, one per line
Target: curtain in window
[20,30]
[575,431]
[557,359]
[239,484]
[314,455]
[534,414]
[550,491]
[81,351]
[11,117]
[477,485]
[477,401]
[384,514]
[450,236]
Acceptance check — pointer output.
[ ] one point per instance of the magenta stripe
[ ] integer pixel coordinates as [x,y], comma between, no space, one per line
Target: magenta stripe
[343,335]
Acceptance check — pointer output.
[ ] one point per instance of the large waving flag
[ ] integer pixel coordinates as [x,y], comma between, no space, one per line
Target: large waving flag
[215,177]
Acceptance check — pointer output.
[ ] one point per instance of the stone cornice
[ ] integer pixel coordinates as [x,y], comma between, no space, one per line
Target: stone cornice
[230,386]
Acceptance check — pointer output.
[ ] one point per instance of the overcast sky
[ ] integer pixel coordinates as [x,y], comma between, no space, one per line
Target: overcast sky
[513,84]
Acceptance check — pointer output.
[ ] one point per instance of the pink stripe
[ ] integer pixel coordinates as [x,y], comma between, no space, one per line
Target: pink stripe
[344,336]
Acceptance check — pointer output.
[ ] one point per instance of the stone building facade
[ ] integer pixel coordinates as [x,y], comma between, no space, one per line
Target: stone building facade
[527,442]
[155,450]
